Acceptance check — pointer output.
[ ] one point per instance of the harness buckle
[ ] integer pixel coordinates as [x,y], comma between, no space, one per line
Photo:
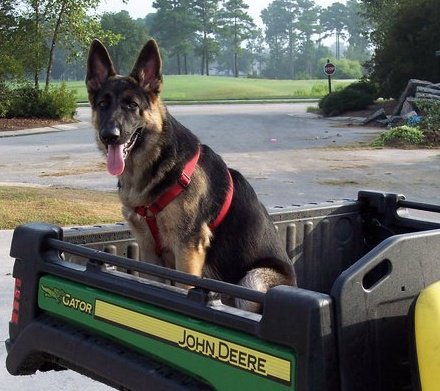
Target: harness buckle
[184,179]
[145,212]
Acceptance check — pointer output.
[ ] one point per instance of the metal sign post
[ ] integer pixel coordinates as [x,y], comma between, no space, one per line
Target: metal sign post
[329,70]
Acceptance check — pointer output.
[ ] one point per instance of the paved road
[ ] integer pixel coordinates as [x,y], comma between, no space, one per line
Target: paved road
[290,157]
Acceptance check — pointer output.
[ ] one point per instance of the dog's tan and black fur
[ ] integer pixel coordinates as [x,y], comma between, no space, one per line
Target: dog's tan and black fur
[128,114]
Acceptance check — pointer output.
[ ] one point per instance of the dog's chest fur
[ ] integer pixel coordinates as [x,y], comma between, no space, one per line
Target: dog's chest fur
[148,173]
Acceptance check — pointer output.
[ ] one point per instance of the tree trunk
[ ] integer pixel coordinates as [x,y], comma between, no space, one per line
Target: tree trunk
[235,48]
[36,79]
[202,64]
[179,70]
[206,58]
[37,54]
[204,54]
[291,61]
[53,43]
[337,45]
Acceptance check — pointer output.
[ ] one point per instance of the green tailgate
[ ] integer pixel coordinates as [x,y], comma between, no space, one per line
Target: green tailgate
[224,358]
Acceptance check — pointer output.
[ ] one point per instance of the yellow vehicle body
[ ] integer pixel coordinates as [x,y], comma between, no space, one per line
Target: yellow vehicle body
[427,333]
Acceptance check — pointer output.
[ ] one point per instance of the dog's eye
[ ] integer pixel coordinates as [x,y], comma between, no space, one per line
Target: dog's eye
[102,103]
[132,105]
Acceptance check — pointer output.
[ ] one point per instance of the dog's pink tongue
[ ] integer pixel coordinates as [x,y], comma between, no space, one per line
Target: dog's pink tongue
[115,159]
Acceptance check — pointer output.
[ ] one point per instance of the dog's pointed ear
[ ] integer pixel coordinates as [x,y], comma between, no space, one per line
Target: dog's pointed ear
[99,67]
[147,70]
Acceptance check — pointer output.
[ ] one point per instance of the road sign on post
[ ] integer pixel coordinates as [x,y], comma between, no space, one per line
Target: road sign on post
[329,70]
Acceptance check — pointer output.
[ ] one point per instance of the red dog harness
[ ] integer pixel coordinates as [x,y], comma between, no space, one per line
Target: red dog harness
[150,212]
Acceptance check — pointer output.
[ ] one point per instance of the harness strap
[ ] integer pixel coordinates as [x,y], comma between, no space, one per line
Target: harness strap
[150,212]
[154,229]
[225,207]
[173,192]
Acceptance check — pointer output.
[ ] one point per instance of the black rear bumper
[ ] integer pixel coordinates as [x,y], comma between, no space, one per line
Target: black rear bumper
[49,344]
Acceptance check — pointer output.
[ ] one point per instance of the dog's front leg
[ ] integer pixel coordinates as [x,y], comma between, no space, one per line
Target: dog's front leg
[191,260]
[142,234]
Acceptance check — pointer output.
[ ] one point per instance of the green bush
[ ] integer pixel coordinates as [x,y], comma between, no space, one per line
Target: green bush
[430,123]
[58,102]
[365,87]
[400,136]
[28,102]
[355,96]
[5,99]
[25,102]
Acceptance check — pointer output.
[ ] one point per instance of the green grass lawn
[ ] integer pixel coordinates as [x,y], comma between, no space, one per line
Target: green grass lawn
[206,88]
[57,205]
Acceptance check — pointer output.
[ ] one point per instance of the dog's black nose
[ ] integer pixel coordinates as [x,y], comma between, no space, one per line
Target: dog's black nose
[110,135]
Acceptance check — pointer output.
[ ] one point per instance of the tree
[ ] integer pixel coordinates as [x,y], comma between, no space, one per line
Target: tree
[357,30]
[408,49]
[307,25]
[255,46]
[381,14]
[290,25]
[47,23]
[133,36]
[290,10]
[9,65]
[148,21]
[206,14]
[334,20]
[235,26]
[276,38]
[68,67]
[29,38]
[174,26]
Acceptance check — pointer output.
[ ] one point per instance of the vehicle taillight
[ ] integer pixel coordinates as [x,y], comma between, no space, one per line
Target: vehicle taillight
[16,304]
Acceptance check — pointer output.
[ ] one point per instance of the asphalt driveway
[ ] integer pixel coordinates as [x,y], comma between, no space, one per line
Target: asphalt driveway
[289,156]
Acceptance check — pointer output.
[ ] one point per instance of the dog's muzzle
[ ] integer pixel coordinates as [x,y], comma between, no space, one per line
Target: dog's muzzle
[117,153]
[110,135]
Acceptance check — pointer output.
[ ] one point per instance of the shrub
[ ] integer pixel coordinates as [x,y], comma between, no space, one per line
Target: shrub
[29,102]
[365,87]
[24,102]
[58,102]
[355,96]
[400,136]
[430,119]
[5,99]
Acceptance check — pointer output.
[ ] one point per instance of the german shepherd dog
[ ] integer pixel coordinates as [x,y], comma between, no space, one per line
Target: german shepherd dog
[186,209]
